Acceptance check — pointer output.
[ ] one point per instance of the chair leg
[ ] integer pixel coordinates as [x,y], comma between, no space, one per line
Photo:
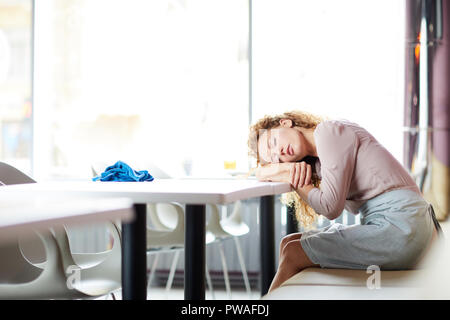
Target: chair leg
[153,270]
[208,280]
[243,268]
[172,272]
[225,270]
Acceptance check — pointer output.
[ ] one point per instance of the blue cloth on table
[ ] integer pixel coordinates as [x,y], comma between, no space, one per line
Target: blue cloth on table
[120,171]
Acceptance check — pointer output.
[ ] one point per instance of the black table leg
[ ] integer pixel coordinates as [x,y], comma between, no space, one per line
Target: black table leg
[267,234]
[134,256]
[291,221]
[194,252]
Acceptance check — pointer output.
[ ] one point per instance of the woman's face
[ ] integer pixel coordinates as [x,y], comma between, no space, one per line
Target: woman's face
[282,144]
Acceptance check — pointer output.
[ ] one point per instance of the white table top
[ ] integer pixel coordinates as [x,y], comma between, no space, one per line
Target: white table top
[187,191]
[19,213]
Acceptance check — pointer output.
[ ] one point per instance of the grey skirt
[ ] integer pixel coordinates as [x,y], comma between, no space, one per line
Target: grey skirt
[396,227]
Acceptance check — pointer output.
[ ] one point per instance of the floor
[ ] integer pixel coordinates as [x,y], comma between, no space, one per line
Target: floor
[159,293]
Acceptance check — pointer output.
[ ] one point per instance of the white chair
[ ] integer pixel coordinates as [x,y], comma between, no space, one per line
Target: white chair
[231,226]
[58,273]
[168,224]
[166,234]
[22,280]
[161,238]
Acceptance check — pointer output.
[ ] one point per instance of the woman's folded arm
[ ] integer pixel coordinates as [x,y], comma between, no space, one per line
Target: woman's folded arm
[337,146]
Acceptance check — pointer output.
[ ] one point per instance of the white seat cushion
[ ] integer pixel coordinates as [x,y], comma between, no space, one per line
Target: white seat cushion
[347,277]
[338,284]
[324,292]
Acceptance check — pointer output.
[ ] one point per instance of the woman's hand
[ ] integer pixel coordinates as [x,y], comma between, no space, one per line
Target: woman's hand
[300,174]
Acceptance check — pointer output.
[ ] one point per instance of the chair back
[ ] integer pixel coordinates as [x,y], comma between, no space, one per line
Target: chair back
[16,266]
[170,215]
[10,175]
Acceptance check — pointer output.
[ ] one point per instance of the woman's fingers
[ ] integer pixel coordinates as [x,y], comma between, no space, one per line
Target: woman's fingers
[298,172]
[302,174]
[297,175]
[308,175]
[292,174]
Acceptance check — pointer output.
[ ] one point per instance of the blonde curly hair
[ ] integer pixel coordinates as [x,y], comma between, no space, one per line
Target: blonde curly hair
[305,215]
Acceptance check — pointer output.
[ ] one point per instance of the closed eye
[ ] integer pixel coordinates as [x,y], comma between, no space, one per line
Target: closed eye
[276,156]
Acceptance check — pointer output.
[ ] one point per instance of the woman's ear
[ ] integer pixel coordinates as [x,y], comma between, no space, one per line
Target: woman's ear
[287,123]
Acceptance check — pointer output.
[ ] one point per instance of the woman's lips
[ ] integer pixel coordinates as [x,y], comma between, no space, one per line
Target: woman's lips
[290,151]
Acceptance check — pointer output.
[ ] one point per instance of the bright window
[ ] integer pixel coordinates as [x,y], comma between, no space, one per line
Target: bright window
[15,83]
[342,59]
[160,82]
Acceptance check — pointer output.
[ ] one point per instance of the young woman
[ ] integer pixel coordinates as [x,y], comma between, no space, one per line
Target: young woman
[335,165]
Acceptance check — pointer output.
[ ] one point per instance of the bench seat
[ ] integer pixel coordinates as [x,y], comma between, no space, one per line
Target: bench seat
[346,284]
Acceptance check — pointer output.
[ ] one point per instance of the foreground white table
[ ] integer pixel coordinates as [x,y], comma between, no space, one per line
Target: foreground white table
[188,191]
[195,193]
[22,214]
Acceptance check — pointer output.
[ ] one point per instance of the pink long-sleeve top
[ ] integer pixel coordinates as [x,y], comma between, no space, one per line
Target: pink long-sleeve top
[354,167]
